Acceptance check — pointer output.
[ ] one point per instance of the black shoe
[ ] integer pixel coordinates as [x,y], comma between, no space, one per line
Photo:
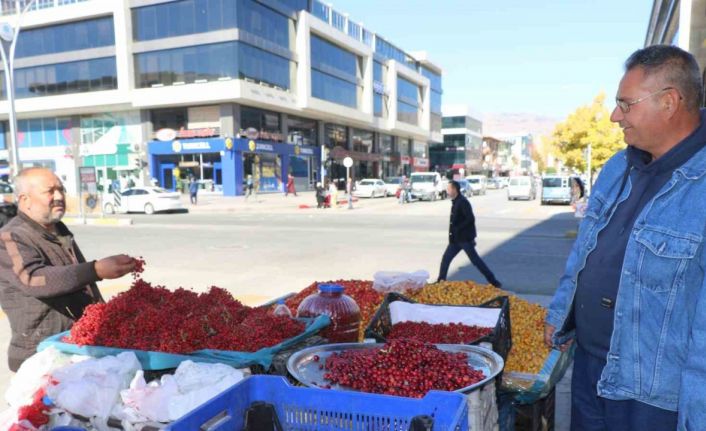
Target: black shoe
[497,285]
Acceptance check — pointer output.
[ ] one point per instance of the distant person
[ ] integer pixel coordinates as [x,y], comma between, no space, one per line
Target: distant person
[249,186]
[290,186]
[320,196]
[193,190]
[462,235]
[577,191]
[333,194]
[45,281]
[403,190]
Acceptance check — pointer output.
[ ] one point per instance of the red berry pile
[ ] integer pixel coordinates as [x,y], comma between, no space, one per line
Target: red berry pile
[36,413]
[139,267]
[154,318]
[452,333]
[408,368]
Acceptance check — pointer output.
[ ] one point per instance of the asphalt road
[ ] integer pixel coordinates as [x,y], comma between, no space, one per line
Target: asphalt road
[258,255]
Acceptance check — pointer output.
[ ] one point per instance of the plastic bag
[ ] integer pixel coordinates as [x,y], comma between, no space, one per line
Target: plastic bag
[34,373]
[399,282]
[176,395]
[92,388]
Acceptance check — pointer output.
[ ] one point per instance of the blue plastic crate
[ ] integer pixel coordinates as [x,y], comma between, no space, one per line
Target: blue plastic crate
[310,409]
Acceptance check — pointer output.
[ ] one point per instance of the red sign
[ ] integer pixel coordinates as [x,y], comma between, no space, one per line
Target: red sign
[405,160]
[198,133]
[420,162]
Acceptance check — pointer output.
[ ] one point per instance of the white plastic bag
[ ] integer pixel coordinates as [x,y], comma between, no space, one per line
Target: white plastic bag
[176,395]
[401,311]
[399,282]
[92,388]
[34,373]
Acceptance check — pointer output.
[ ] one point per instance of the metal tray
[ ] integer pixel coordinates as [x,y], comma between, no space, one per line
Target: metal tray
[305,370]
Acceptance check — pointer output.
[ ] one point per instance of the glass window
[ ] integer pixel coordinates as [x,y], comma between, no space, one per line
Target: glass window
[42,132]
[435,122]
[320,10]
[386,144]
[435,101]
[325,54]
[453,122]
[267,123]
[378,72]
[403,147]
[419,149]
[263,66]
[407,113]
[66,37]
[335,135]
[64,78]
[327,87]
[263,22]
[379,105]
[407,91]
[302,131]
[455,140]
[434,78]
[174,118]
[362,140]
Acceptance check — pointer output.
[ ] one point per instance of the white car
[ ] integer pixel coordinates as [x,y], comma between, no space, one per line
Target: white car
[479,183]
[392,184]
[148,200]
[522,187]
[370,189]
[428,186]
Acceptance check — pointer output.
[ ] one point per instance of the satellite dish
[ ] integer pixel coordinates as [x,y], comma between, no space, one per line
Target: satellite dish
[6,32]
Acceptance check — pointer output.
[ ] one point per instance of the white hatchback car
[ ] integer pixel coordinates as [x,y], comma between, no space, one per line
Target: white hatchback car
[370,189]
[148,200]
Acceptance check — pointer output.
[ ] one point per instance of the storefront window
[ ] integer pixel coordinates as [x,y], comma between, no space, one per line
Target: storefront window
[386,145]
[403,147]
[175,118]
[95,127]
[43,132]
[335,135]
[419,149]
[302,131]
[267,123]
[362,140]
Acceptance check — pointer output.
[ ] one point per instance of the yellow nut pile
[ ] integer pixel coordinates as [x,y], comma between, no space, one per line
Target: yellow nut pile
[527,319]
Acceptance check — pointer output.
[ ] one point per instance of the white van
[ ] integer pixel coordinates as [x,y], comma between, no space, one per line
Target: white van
[427,186]
[522,187]
[479,184]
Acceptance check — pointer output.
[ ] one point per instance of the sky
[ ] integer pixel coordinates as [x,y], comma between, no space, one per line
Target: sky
[545,57]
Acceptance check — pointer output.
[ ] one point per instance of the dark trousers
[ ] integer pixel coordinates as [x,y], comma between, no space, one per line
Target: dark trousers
[470,248]
[589,412]
[193,198]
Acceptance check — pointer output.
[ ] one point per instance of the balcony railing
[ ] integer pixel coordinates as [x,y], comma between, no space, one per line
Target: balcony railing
[7,7]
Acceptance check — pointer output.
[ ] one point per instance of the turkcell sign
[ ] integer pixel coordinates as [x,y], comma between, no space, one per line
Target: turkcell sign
[200,145]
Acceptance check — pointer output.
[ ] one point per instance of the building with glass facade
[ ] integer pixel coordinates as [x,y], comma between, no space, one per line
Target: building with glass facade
[217,89]
[461,151]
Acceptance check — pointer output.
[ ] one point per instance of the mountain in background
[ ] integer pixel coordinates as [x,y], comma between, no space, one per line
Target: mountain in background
[508,124]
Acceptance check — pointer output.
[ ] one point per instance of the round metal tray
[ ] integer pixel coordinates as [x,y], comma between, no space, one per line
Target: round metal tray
[303,368]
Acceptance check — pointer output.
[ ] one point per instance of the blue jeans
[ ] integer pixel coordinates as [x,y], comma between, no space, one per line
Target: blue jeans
[589,412]
[455,248]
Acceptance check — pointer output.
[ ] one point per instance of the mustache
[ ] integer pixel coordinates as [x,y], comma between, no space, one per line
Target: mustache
[57,203]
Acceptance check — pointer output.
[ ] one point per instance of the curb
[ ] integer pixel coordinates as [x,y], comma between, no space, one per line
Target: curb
[73,221]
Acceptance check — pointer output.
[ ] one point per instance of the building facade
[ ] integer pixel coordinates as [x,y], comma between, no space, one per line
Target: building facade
[461,149]
[162,90]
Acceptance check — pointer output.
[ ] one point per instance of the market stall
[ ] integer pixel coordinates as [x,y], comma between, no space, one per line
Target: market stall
[154,358]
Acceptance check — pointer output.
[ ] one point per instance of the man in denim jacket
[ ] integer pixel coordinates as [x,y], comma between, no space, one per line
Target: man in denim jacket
[632,295]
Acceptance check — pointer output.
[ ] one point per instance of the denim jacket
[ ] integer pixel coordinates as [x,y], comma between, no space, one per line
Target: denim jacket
[658,347]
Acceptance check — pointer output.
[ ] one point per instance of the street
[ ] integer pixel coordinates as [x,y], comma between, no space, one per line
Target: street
[268,250]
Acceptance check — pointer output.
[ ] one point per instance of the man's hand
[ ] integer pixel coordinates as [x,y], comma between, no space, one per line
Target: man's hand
[549,333]
[114,266]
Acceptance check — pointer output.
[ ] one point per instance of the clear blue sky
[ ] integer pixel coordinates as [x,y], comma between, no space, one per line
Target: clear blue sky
[537,56]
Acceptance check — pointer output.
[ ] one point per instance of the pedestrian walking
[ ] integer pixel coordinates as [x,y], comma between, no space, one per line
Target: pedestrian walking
[333,194]
[403,191]
[193,190]
[290,185]
[249,186]
[45,282]
[633,297]
[462,235]
[320,196]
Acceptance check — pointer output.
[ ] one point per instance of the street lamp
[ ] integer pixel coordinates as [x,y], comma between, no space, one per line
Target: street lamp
[8,42]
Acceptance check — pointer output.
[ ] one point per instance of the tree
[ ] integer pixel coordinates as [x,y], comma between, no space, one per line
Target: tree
[589,124]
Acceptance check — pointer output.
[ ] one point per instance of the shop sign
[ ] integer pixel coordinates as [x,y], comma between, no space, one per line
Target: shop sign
[405,160]
[87,175]
[306,151]
[178,146]
[192,164]
[167,134]
[258,146]
[254,134]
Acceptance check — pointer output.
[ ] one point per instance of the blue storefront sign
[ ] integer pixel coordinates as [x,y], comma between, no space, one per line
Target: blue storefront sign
[231,158]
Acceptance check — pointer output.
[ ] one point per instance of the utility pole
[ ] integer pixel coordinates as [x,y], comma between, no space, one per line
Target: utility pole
[590,174]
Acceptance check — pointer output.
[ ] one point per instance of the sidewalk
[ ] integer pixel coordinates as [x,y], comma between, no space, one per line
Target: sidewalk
[276,202]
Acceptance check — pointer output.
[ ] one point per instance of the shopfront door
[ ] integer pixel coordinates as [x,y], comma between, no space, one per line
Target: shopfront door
[166,176]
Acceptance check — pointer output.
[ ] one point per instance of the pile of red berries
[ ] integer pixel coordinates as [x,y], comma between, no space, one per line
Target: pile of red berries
[154,318]
[452,333]
[404,367]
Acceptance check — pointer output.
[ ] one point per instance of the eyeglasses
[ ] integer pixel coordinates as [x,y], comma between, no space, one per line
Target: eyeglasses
[625,106]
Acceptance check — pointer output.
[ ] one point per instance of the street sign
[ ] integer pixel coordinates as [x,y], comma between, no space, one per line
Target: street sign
[348,162]
[87,175]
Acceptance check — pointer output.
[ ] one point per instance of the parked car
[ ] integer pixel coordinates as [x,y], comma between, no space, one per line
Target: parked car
[465,188]
[521,187]
[479,184]
[428,186]
[495,183]
[370,189]
[392,185]
[149,200]
[556,189]
[8,207]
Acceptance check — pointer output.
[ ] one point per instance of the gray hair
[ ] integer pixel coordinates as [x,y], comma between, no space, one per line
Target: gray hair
[21,181]
[678,68]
